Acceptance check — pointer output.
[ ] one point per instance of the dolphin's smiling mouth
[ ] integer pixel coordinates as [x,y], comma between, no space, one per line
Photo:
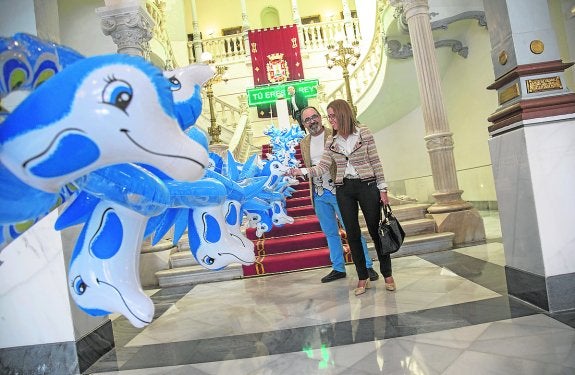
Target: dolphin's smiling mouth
[51,145]
[123,300]
[71,149]
[126,132]
[235,256]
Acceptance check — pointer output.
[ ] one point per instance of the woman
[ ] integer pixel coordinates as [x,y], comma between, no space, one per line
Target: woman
[359,181]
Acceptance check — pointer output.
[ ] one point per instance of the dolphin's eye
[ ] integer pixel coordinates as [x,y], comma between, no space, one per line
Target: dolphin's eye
[175,84]
[79,285]
[117,93]
[208,260]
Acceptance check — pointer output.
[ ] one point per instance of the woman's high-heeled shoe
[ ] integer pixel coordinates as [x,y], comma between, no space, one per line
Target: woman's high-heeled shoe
[390,286]
[361,289]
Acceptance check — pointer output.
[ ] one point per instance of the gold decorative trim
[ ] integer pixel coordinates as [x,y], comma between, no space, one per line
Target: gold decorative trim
[544,84]
[536,46]
[503,58]
[509,93]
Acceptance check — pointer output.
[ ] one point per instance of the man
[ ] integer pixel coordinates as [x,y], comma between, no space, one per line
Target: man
[323,195]
[296,101]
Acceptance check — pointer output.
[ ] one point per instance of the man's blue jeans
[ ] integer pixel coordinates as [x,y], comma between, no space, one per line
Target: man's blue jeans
[327,212]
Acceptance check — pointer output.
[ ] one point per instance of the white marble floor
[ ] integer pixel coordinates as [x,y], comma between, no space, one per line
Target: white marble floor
[449,315]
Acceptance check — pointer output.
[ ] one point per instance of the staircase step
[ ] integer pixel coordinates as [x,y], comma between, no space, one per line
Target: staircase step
[300,211]
[426,243]
[287,262]
[301,224]
[291,243]
[298,202]
[405,213]
[418,226]
[411,227]
[303,193]
[182,259]
[303,185]
[197,275]
[410,211]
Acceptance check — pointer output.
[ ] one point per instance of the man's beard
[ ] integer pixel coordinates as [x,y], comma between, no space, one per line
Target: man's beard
[315,128]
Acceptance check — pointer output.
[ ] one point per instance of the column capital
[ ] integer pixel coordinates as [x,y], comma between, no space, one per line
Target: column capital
[130,27]
[411,7]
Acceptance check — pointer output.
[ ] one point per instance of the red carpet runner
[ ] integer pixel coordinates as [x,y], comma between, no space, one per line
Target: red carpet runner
[292,247]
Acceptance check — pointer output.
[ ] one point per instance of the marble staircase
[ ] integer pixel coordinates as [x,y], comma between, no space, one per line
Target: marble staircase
[420,238]
[185,270]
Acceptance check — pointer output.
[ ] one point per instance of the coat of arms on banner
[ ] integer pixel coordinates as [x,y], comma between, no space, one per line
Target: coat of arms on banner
[277,68]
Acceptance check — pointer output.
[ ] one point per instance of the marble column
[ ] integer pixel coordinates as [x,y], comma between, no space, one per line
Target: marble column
[130,27]
[531,145]
[450,212]
[196,36]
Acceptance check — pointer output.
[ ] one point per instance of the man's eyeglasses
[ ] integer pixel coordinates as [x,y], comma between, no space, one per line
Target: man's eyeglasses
[311,118]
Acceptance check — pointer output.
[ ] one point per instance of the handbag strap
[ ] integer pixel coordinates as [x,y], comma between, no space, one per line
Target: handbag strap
[386,211]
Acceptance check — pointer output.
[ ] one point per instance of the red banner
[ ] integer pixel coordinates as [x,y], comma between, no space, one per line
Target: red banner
[276,58]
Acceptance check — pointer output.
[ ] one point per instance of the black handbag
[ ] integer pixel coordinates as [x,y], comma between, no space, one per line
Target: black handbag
[391,233]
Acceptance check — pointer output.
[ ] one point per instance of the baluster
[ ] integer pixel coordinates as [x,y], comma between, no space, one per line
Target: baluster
[231,48]
[239,42]
[322,35]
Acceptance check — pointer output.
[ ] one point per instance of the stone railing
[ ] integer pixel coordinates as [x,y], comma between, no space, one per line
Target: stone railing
[320,35]
[228,48]
[361,77]
[231,48]
[236,130]
[156,9]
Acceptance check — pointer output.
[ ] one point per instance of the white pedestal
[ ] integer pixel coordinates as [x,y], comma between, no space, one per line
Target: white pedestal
[283,114]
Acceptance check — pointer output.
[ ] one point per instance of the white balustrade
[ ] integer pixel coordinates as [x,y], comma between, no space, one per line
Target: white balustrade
[234,121]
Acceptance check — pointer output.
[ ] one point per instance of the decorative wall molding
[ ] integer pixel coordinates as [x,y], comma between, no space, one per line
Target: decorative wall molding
[445,22]
[396,50]
[456,46]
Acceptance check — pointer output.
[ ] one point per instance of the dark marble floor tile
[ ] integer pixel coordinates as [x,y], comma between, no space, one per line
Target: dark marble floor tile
[567,317]
[488,275]
[325,335]
[171,294]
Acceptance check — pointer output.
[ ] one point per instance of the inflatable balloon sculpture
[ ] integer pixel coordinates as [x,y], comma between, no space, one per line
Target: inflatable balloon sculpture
[120,187]
[114,138]
[84,127]
[282,158]
[25,63]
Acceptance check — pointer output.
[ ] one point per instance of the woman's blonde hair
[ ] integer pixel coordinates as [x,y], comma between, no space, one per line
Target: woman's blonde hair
[345,117]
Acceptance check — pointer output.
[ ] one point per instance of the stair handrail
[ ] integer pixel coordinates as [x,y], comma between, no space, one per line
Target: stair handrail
[361,78]
[234,122]
[157,11]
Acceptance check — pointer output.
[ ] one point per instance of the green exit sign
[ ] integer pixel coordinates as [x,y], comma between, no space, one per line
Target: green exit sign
[270,93]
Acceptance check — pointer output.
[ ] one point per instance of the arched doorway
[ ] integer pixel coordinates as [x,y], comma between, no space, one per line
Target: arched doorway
[269,17]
